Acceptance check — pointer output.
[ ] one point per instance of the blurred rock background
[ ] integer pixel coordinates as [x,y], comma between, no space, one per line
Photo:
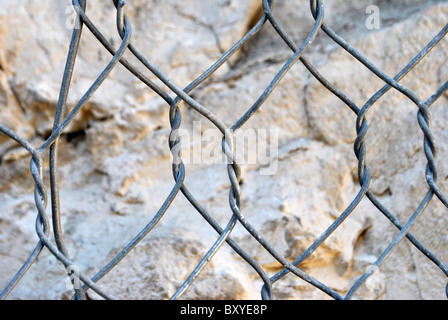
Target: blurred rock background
[115,164]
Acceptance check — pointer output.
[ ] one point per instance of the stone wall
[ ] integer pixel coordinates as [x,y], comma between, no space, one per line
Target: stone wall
[115,164]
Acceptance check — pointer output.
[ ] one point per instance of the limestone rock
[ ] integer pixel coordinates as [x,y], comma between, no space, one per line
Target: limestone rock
[115,165]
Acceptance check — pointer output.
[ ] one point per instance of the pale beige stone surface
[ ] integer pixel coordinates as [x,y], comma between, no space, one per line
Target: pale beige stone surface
[115,164]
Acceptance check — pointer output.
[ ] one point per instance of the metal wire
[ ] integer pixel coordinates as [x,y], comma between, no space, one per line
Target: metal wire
[59,249]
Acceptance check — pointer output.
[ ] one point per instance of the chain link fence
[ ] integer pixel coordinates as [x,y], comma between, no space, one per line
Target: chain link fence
[82,282]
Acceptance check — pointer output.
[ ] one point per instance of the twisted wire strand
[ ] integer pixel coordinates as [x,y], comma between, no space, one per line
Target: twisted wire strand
[359,147]
[363,173]
[174,144]
[235,192]
[60,251]
[35,253]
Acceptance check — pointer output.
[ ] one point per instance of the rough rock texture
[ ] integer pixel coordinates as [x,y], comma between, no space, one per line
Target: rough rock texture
[115,165]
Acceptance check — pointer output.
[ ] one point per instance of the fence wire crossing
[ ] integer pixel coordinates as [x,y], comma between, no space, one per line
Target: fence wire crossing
[63,119]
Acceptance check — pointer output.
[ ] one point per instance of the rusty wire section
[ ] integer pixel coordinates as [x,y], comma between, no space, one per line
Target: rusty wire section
[86,282]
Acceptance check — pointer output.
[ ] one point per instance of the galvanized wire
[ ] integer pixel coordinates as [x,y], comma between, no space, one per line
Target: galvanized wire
[59,249]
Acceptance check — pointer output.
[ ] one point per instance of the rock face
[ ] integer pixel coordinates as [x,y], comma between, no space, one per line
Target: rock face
[115,165]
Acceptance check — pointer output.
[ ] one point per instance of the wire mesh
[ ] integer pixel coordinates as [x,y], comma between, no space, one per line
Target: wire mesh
[61,121]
